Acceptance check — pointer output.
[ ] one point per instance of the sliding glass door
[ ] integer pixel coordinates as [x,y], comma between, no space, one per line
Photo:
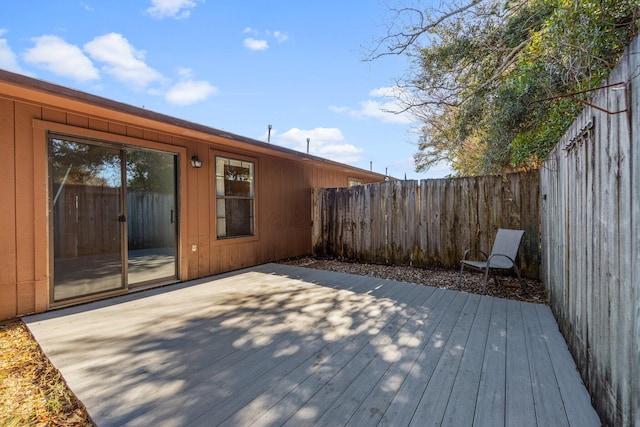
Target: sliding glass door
[114,217]
[151,216]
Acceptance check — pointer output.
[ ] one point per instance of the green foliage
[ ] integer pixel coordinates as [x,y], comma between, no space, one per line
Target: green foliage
[80,163]
[478,84]
[150,171]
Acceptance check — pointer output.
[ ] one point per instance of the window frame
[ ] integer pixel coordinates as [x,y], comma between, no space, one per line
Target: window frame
[235,158]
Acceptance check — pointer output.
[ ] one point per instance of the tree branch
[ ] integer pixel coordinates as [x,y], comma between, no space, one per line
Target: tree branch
[401,40]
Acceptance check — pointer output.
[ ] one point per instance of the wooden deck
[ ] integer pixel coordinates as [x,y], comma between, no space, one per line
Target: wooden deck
[281,345]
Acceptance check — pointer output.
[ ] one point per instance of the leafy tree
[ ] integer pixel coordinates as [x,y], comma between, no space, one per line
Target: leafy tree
[97,165]
[150,171]
[482,68]
[77,163]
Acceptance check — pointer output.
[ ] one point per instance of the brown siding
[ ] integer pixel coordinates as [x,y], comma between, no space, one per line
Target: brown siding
[8,290]
[25,207]
[284,183]
[283,211]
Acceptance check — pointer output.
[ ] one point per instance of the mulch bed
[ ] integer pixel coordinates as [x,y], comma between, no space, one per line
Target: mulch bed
[508,287]
[32,391]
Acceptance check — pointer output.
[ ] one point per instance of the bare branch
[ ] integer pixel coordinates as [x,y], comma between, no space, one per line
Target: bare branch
[402,40]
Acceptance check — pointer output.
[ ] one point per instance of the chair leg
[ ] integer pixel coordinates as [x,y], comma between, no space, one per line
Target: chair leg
[484,281]
[522,285]
[460,278]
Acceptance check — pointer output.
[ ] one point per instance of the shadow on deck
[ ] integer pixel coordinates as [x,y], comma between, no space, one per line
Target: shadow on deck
[283,345]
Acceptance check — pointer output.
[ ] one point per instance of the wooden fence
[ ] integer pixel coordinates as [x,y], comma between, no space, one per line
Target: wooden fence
[590,187]
[151,220]
[428,223]
[79,227]
[86,220]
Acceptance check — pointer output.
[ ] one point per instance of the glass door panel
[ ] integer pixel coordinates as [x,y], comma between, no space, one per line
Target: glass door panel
[151,216]
[86,213]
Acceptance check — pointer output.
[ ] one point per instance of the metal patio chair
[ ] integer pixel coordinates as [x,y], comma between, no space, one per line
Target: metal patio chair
[503,256]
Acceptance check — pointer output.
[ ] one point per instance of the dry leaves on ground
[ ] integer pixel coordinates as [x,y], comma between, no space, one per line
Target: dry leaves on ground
[32,391]
[509,287]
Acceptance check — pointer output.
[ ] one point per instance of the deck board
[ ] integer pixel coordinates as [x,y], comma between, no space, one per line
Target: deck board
[406,400]
[465,386]
[433,403]
[490,403]
[373,408]
[319,390]
[549,406]
[387,348]
[278,344]
[520,405]
[576,402]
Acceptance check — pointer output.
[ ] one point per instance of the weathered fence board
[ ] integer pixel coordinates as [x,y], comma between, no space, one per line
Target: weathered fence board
[80,227]
[590,234]
[87,220]
[151,220]
[430,222]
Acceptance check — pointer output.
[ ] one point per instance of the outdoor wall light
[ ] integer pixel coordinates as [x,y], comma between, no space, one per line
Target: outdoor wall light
[196,162]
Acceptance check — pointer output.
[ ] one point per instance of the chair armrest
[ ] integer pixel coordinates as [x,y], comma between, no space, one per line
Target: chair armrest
[464,256]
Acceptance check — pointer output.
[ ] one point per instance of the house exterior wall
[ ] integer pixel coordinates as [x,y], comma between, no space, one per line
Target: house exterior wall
[29,109]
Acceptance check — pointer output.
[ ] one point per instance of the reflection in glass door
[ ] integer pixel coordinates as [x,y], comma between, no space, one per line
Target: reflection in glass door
[107,236]
[151,216]
[86,212]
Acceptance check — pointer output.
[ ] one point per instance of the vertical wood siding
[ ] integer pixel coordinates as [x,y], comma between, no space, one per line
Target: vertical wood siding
[429,222]
[8,289]
[590,185]
[282,201]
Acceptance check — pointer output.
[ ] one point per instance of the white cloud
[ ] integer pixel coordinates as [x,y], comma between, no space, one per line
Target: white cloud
[254,44]
[279,36]
[388,92]
[122,60]
[8,59]
[61,58]
[260,42]
[178,9]
[189,92]
[185,72]
[384,107]
[386,112]
[337,109]
[324,142]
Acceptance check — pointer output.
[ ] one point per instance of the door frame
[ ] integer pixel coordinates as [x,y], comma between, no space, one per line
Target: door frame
[41,131]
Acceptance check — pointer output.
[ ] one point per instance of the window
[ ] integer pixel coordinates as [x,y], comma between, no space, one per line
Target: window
[234,197]
[353,182]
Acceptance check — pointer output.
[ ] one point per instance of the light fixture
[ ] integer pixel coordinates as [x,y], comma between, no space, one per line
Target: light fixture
[196,162]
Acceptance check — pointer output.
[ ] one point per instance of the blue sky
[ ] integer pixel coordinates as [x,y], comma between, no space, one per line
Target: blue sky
[234,65]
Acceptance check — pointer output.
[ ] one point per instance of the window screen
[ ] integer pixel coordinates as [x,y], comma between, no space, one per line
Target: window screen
[234,197]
